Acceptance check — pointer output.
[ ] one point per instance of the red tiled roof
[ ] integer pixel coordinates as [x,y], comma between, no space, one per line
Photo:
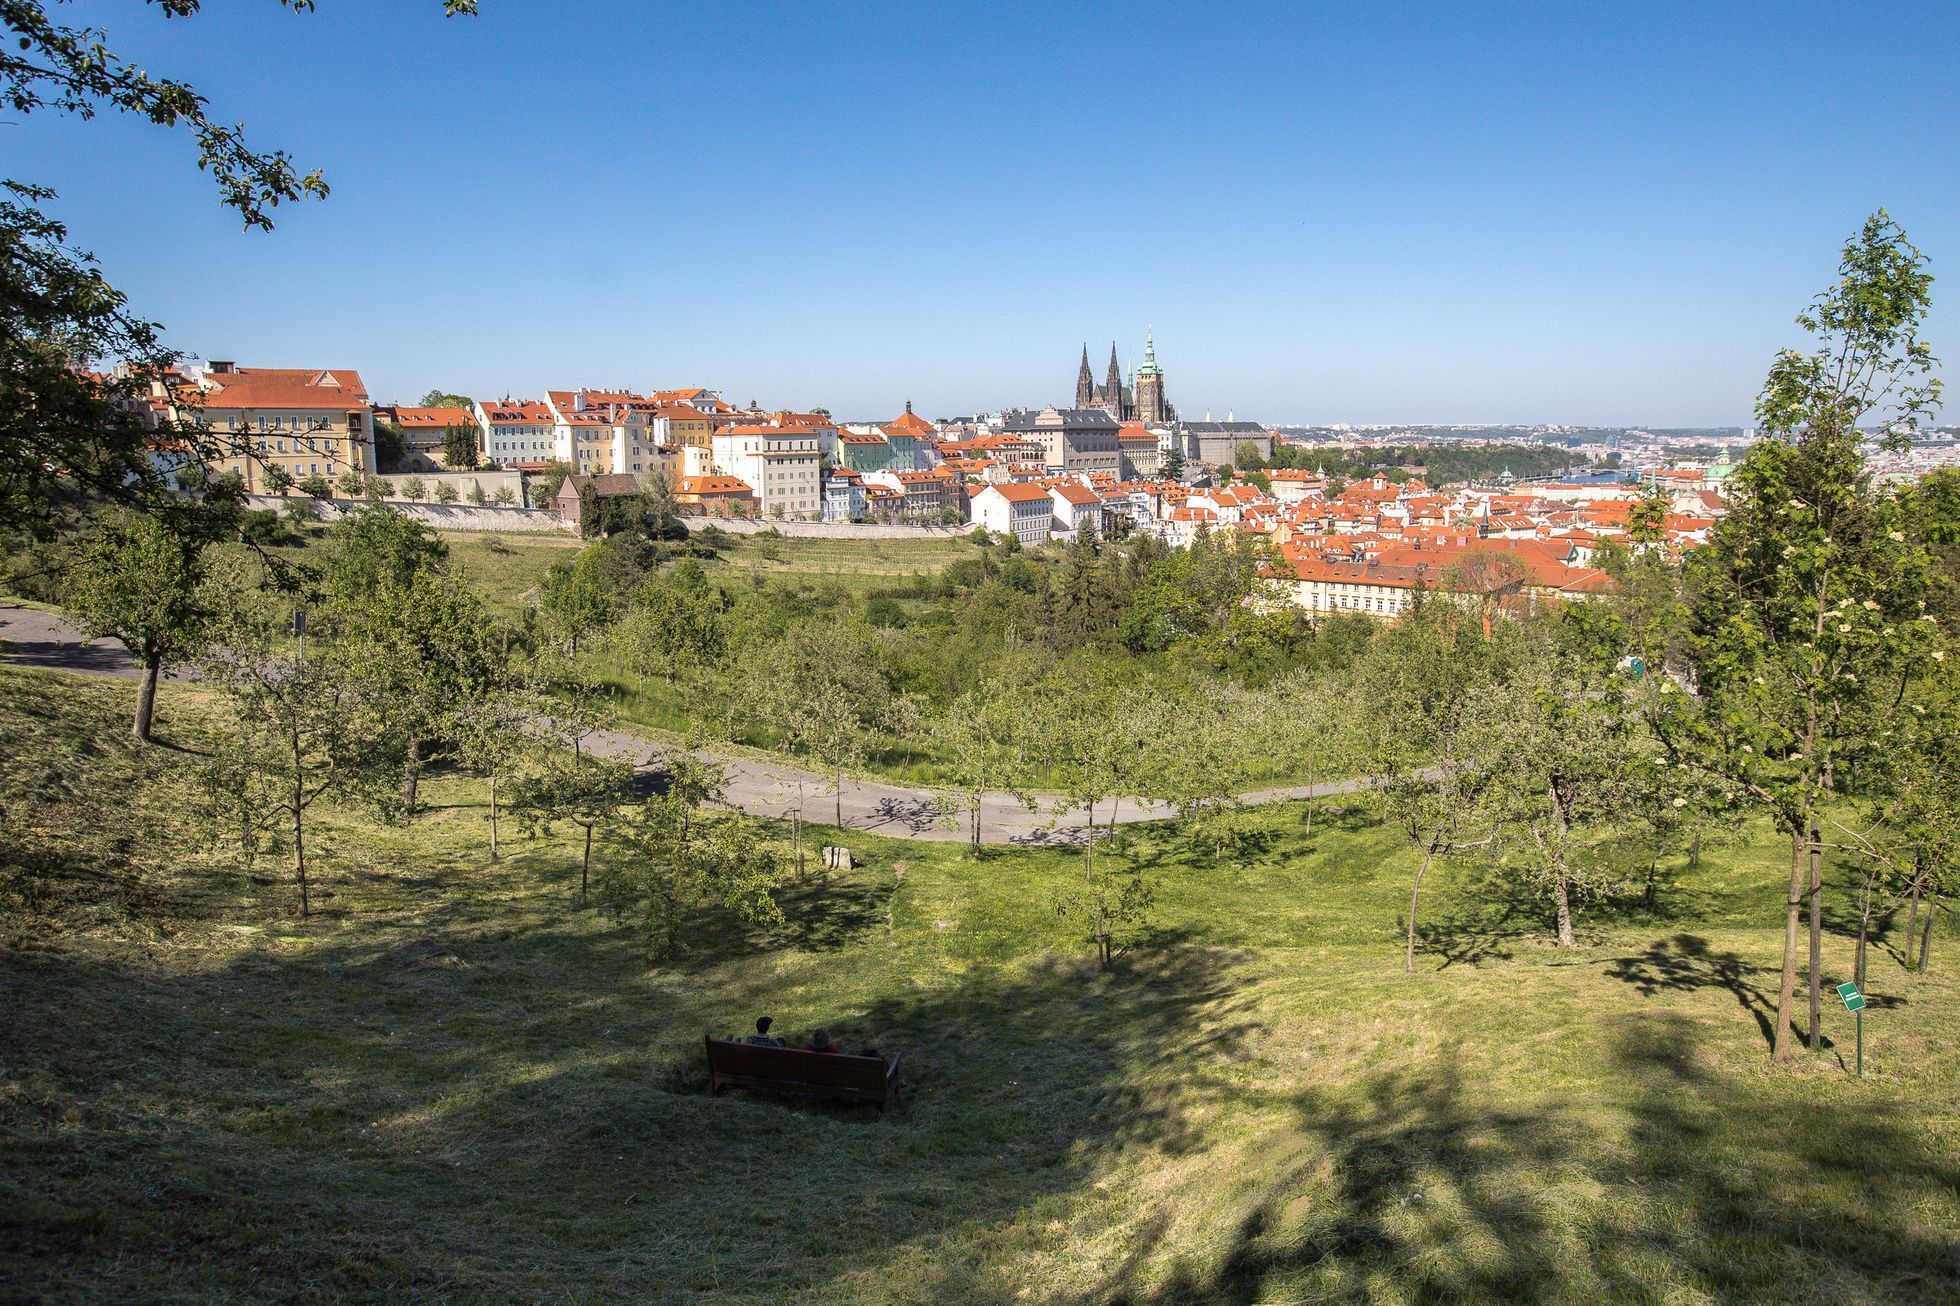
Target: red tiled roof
[434,417]
[712,485]
[1017,492]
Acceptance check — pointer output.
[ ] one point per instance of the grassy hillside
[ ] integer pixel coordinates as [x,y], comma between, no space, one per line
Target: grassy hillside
[509,565]
[452,1083]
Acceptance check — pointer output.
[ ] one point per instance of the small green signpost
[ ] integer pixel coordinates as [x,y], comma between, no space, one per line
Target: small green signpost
[1854,1002]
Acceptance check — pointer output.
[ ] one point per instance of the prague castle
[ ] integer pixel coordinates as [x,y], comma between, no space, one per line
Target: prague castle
[1142,400]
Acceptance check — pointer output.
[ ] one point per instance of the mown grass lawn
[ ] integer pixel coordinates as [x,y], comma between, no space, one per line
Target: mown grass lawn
[452,1082]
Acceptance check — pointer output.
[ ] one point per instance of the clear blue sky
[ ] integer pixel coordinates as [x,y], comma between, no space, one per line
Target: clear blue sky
[1358,212]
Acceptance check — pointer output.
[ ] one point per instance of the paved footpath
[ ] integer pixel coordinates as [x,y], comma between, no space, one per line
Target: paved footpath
[40,639]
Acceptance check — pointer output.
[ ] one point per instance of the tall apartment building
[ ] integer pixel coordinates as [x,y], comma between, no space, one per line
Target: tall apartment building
[516,432]
[781,463]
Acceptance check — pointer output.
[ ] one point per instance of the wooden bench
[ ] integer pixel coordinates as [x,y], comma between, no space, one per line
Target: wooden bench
[792,1071]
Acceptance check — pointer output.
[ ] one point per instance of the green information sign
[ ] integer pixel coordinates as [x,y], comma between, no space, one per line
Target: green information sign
[1853,1000]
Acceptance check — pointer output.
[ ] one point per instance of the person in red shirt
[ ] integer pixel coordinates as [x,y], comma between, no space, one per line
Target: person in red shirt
[820,1042]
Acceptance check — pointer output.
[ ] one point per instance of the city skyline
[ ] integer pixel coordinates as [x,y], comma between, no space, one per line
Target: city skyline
[1541,218]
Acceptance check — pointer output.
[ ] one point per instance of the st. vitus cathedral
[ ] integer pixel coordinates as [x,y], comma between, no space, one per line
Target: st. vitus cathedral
[1142,400]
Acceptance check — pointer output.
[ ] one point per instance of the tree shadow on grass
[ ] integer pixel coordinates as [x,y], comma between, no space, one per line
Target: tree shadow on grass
[1411,1186]
[1684,963]
[479,1103]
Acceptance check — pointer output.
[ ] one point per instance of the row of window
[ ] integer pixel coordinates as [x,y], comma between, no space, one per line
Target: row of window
[1359,602]
[282,423]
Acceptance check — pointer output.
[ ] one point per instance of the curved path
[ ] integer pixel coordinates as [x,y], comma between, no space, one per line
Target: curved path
[32,638]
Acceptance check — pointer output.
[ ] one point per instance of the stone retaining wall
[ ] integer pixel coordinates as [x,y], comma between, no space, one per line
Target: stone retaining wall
[828,530]
[442,516]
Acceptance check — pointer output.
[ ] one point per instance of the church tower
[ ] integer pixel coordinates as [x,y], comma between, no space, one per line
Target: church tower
[1152,408]
[1112,391]
[1085,386]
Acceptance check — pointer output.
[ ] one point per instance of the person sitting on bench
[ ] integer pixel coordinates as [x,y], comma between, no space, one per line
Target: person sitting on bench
[820,1042]
[762,1038]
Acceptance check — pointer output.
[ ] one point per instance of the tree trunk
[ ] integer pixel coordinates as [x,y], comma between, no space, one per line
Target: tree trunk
[299,822]
[978,799]
[1926,933]
[1308,832]
[1858,962]
[1415,892]
[411,775]
[299,862]
[1786,993]
[146,698]
[1912,917]
[1561,877]
[1816,976]
[839,790]
[1089,849]
[585,867]
[493,816]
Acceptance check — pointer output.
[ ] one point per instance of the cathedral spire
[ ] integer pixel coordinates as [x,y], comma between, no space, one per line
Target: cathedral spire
[1085,385]
[1112,397]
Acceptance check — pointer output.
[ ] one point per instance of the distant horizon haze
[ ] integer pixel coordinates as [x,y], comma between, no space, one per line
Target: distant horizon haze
[1426,214]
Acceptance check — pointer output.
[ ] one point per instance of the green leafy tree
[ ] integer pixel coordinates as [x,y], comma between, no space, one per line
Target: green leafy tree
[1079,611]
[1557,756]
[577,789]
[684,851]
[433,647]
[414,487]
[673,624]
[976,736]
[497,734]
[576,599]
[316,486]
[1113,908]
[1421,695]
[505,496]
[302,729]
[351,484]
[446,399]
[825,690]
[445,492]
[1315,720]
[375,548]
[276,479]
[140,582]
[1215,601]
[1805,600]
[1903,833]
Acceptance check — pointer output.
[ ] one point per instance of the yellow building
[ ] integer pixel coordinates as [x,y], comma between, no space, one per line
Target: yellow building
[687,426]
[310,421]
